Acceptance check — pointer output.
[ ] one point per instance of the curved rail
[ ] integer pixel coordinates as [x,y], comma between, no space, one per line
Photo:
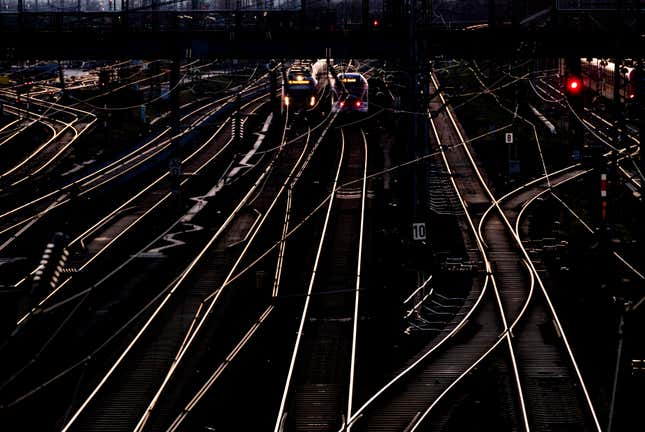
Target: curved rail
[537,276]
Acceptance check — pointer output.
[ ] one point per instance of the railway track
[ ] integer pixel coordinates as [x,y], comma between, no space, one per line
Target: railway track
[321,369]
[67,198]
[543,365]
[246,365]
[407,400]
[396,405]
[129,219]
[175,350]
[255,300]
[206,327]
[625,157]
[22,214]
[43,156]
[85,292]
[171,326]
[603,131]
[201,300]
[141,206]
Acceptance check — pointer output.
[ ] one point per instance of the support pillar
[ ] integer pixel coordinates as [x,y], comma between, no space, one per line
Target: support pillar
[175,122]
[619,111]
[576,129]
[365,15]
[273,90]
[619,130]
[640,110]
[21,10]
[413,106]
[518,11]
[418,129]
[303,14]
[492,20]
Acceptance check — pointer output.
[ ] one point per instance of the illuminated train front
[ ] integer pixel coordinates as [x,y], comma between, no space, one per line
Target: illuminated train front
[299,89]
[350,93]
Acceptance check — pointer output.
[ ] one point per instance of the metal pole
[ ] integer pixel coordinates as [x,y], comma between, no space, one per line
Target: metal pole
[619,128]
[640,109]
[365,13]
[619,115]
[576,130]
[413,134]
[425,122]
[491,14]
[61,80]
[175,151]
[619,355]
[303,14]
[21,9]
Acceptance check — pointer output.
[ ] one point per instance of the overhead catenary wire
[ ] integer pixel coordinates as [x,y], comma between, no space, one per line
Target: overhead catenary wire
[313,212]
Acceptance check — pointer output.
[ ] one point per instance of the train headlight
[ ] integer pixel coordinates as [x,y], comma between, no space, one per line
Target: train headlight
[312,101]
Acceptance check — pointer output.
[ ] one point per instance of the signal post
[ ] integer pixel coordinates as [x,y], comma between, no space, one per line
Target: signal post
[575,93]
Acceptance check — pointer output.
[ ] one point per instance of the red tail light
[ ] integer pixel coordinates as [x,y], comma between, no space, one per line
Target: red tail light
[341,104]
[358,104]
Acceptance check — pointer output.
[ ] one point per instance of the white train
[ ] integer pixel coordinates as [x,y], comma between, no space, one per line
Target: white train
[598,76]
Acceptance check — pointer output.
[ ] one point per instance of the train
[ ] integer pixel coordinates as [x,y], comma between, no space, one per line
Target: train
[35,72]
[598,76]
[305,86]
[350,92]
[299,89]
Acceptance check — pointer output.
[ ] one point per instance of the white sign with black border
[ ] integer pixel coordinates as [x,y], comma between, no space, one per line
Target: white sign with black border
[419,231]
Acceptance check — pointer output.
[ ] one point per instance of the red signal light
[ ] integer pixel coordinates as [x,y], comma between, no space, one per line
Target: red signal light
[375,23]
[574,85]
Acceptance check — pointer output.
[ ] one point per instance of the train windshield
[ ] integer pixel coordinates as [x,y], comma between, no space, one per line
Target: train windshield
[352,84]
[299,81]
